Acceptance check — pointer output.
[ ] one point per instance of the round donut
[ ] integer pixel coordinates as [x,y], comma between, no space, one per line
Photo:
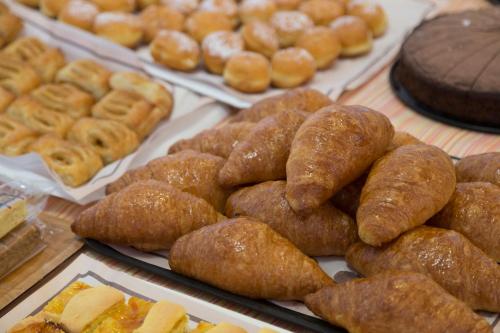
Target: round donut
[289,25]
[52,8]
[287,4]
[79,13]
[203,23]
[322,43]
[248,72]
[122,28]
[372,13]
[186,7]
[354,35]
[175,50]
[250,10]
[127,6]
[260,37]
[145,3]
[226,7]
[218,47]
[292,67]
[322,12]
[156,17]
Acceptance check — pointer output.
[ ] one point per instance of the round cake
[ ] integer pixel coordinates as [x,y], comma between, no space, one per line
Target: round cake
[451,64]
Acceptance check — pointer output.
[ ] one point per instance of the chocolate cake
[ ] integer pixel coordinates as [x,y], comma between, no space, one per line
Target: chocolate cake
[451,64]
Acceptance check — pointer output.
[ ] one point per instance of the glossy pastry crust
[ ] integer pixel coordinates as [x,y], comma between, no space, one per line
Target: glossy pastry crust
[292,67]
[12,136]
[218,47]
[481,168]
[202,23]
[246,257]
[16,76]
[157,17]
[260,37]
[403,139]
[64,98]
[122,28]
[87,75]
[248,72]
[290,25]
[10,26]
[176,50]
[354,34]
[79,13]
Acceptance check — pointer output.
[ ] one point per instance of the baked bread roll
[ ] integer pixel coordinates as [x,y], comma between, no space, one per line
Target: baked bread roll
[218,47]
[176,50]
[12,133]
[446,256]
[292,67]
[64,98]
[122,28]
[127,6]
[156,17]
[248,72]
[87,75]
[16,76]
[52,8]
[248,258]
[354,34]
[226,7]
[6,97]
[202,23]
[260,37]
[287,4]
[74,164]
[390,302]
[10,26]
[322,43]
[332,148]
[417,180]
[189,171]
[256,10]
[479,168]
[148,215]
[186,7]
[112,140]
[322,12]
[372,13]
[79,13]
[290,25]
[325,232]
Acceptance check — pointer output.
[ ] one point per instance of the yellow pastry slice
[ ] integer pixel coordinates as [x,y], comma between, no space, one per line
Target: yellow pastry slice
[165,317]
[13,212]
[12,133]
[6,98]
[57,304]
[87,75]
[16,76]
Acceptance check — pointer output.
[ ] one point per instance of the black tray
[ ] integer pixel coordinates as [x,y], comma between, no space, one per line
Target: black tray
[425,110]
[264,307]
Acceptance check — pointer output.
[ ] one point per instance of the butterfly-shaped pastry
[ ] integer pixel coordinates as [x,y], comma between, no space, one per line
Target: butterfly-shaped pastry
[87,75]
[14,136]
[65,98]
[17,76]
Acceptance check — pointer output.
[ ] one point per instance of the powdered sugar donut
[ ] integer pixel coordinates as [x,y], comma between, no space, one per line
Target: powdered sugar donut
[218,47]
[176,50]
[156,17]
[292,67]
[122,28]
[186,7]
[226,7]
[322,12]
[289,25]
[260,37]
[251,10]
[322,43]
[202,23]
[248,72]
[79,13]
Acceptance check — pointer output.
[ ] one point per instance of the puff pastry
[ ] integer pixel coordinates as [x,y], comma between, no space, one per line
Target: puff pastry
[112,140]
[38,118]
[12,135]
[325,232]
[122,28]
[87,75]
[479,168]
[188,170]
[17,76]
[52,8]
[73,163]
[395,302]
[79,13]
[446,256]
[332,148]
[64,98]
[10,26]
[6,98]
[148,215]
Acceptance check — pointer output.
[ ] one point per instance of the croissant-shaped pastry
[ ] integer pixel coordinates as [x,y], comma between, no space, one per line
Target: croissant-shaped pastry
[347,199]
[16,76]
[331,149]
[474,211]
[300,99]
[248,258]
[87,75]
[402,139]
[446,256]
[188,170]
[218,141]
[326,231]
[479,168]
[263,154]
[148,215]
[404,189]
[395,302]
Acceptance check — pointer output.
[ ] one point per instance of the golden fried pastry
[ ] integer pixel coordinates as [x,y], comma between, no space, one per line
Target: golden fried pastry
[156,17]
[79,13]
[479,168]
[300,99]
[263,154]
[219,141]
[474,211]
[347,199]
[87,75]
[287,4]
[260,37]
[325,232]
[395,302]
[20,147]
[73,163]
[202,23]
[354,34]
[332,148]
[127,6]
[16,76]
[292,67]
[6,98]
[112,140]
[176,50]
[31,3]
[148,215]
[256,10]
[372,13]
[142,4]
[322,12]
[248,258]
[40,119]
[188,170]
[10,26]
[218,47]
[122,28]
[226,7]
[290,25]
[11,134]
[153,92]
[446,256]
[64,98]
[322,43]
[186,7]
[52,8]
[248,72]
[403,139]
[404,189]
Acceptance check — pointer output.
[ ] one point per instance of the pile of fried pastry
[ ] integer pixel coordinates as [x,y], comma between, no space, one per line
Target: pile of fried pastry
[81,308]
[78,115]
[252,43]
[245,205]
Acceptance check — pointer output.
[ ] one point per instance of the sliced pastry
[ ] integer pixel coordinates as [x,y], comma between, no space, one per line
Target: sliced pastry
[10,26]
[87,75]
[16,76]
[6,97]
[248,258]
[479,168]
[14,136]
[64,98]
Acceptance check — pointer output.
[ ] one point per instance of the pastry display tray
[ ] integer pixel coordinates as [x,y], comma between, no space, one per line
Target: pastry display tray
[427,111]
[264,307]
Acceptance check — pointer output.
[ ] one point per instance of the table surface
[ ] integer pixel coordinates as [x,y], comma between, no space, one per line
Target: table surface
[376,94]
